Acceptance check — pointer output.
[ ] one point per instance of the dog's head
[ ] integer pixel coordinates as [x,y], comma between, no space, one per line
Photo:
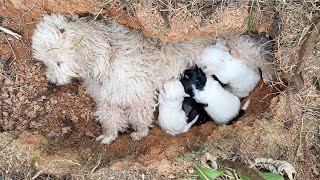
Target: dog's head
[174,90]
[52,44]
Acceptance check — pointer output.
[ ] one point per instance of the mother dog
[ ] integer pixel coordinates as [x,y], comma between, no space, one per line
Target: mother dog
[122,69]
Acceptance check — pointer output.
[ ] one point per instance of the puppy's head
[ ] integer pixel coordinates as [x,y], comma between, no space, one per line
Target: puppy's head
[216,56]
[52,44]
[194,77]
[174,90]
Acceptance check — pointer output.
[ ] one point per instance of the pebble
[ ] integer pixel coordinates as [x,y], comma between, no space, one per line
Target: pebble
[8,102]
[64,130]
[54,102]
[90,134]
[74,119]
[51,133]
[5,114]
[33,123]
[22,98]
[83,116]
[36,107]
[191,170]
[7,82]
[5,95]
[29,114]
[19,94]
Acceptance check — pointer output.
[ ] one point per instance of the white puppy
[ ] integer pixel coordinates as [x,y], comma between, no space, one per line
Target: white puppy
[239,78]
[222,106]
[121,69]
[172,118]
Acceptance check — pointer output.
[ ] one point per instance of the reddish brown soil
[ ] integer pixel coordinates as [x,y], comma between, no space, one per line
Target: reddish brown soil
[65,114]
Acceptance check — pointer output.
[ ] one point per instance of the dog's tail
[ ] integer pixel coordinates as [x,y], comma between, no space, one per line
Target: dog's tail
[242,111]
[188,126]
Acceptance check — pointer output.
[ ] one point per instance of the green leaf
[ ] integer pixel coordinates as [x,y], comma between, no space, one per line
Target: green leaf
[272,176]
[184,179]
[208,174]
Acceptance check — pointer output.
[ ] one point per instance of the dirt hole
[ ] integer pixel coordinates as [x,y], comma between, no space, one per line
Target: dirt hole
[156,146]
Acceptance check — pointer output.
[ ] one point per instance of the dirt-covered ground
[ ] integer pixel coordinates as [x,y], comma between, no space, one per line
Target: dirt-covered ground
[48,132]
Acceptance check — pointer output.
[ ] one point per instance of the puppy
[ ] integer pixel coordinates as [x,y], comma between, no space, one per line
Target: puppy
[190,106]
[222,106]
[194,109]
[238,77]
[121,69]
[172,119]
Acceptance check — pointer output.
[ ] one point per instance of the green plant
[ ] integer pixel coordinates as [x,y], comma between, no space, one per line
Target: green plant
[250,20]
[210,174]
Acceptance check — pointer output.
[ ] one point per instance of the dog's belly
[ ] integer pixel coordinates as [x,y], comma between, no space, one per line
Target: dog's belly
[123,92]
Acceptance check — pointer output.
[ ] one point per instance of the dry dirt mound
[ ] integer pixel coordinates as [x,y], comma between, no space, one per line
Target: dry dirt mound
[60,120]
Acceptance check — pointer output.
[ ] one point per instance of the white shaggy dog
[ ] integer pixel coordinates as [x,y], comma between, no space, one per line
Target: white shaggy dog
[122,69]
[222,106]
[239,78]
[172,118]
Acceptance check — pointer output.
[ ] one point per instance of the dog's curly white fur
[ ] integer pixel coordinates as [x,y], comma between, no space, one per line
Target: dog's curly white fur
[122,69]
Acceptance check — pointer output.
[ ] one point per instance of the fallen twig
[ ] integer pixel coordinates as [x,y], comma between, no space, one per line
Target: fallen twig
[305,50]
[8,31]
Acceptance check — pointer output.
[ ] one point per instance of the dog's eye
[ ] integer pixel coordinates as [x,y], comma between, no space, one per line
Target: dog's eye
[59,63]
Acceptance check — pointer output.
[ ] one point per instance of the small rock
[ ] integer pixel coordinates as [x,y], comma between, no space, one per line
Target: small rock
[8,82]
[29,114]
[191,170]
[74,119]
[22,98]
[51,134]
[36,107]
[8,102]
[5,114]
[64,130]
[90,134]
[33,123]
[19,94]
[83,116]
[171,176]
[5,95]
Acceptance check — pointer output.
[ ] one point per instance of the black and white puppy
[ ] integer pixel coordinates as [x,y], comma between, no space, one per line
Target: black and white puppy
[222,106]
[190,106]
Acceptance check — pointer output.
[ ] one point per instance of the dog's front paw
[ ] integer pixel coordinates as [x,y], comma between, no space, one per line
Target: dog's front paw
[136,136]
[105,139]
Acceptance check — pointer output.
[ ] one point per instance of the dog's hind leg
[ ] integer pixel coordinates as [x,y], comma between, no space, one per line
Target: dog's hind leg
[140,119]
[112,120]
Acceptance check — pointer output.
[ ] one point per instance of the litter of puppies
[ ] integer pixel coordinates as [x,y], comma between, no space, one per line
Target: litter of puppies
[123,71]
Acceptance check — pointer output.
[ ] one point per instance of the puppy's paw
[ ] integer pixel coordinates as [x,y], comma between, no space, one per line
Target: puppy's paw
[105,139]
